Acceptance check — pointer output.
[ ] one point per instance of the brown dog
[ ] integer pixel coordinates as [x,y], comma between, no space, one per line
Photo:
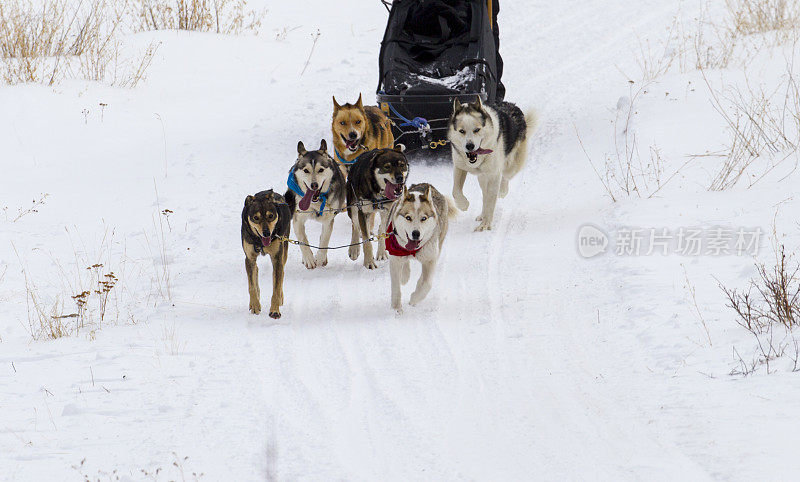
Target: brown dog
[266,217]
[358,129]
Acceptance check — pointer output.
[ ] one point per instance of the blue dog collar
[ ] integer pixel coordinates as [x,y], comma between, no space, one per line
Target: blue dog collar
[344,161]
[295,188]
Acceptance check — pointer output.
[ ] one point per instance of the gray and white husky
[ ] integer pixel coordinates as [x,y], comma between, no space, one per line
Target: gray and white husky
[320,188]
[417,227]
[492,143]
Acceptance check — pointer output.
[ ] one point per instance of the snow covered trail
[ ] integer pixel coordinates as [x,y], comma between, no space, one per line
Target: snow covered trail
[514,367]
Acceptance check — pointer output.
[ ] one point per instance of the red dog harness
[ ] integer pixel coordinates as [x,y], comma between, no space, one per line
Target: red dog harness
[394,248]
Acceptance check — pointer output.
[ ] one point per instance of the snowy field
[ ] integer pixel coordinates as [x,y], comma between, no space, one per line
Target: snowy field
[526,362]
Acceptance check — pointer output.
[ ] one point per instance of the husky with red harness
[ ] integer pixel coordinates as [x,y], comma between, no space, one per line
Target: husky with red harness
[417,227]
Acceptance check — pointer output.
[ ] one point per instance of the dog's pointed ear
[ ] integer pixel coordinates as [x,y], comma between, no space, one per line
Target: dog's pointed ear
[405,195]
[336,105]
[401,148]
[456,106]
[359,102]
[248,200]
[428,192]
[323,146]
[301,149]
[479,103]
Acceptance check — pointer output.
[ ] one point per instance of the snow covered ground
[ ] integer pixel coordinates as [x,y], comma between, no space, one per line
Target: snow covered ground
[527,361]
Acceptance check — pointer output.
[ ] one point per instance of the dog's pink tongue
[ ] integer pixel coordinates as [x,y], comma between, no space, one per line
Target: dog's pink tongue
[265,241]
[306,201]
[481,151]
[412,245]
[390,191]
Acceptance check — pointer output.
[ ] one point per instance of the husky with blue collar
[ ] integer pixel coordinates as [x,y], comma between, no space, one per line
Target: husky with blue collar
[319,185]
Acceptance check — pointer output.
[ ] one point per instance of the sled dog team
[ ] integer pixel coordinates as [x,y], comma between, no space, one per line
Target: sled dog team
[368,176]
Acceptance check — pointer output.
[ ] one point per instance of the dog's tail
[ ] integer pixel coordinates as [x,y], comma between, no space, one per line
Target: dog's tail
[452,210]
[532,121]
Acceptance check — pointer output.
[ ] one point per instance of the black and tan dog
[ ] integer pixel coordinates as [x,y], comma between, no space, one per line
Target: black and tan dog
[266,217]
[375,181]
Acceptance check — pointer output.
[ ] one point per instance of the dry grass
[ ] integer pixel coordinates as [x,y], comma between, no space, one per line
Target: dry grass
[220,16]
[80,299]
[763,125]
[159,253]
[172,344]
[36,203]
[760,16]
[49,41]
[627,172]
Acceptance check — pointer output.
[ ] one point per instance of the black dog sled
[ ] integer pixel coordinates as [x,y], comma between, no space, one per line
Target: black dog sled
[435,51]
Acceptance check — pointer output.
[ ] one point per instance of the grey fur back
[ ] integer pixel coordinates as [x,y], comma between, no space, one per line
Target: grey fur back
[512,124]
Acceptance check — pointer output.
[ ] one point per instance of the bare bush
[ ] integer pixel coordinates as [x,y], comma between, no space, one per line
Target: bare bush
[220,16]
[770,311]
[772,299]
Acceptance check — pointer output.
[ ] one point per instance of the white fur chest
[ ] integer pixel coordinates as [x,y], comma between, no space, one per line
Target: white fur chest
[485,163]
[429,251]
[313,209]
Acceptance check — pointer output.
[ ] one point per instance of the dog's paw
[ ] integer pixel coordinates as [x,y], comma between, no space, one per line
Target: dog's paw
[461,202]
[398,311]
[255,307]
[322,260]
[416,298]
[309,262]
[274,314]
[484,226]
[479,218]
[381,256]
[370,264]
[354,251]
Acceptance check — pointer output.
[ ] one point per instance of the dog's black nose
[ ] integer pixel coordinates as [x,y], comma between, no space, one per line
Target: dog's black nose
[352,135]
[415,234]
[314,186]
[470,146]
[398,179]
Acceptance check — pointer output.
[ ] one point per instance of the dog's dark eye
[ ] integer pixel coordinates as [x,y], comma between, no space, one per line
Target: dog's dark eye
[462,131]
[256,218]
[423,218]
[358,122]
[320,170]
[408,218]
[270,216]
[387,166]
[305,170]
[476,130]
[342,122]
